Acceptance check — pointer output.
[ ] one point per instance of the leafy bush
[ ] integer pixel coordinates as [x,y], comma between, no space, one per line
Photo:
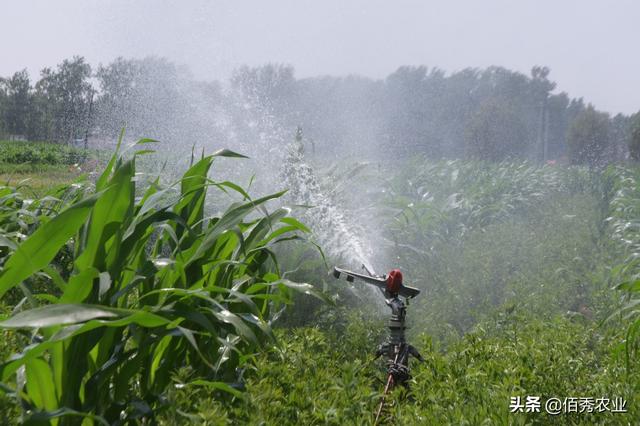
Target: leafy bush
[326,376]
[40,153]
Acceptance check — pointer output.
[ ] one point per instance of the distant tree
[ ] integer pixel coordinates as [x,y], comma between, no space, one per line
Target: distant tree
[117,104]
[434,113]
[409,112]
[344,114]
[495,132]
[73,90]
[540,80]
[270,87]
[63,98]
[492,113]
[589,137]
[634,141]
[42,123]
[17,103]
[557,125]
[152,97]
[620,137]
[261,102]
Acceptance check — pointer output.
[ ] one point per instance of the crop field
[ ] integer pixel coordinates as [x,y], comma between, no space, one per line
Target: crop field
[529,277]
[325,214]
[39,166]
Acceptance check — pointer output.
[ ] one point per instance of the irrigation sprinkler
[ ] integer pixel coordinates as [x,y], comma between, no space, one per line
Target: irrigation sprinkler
[395,349]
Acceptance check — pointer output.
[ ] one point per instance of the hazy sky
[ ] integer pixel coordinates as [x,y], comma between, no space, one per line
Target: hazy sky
[591,46]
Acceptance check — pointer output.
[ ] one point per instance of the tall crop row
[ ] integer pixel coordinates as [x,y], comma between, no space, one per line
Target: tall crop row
[149,284]
[479,236]
[624,224]
[442,202]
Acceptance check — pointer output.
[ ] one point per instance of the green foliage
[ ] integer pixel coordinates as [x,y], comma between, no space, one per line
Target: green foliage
[10,343]
[515,285]
[476,237]
[518,355]
[496,132]
[588,137]
[312,377]
[516,264]
[40,153]
[491,113]
[624,227]
[56,108]
[63,97]
[129,86]
[16,113]
[329,377]
[155,284]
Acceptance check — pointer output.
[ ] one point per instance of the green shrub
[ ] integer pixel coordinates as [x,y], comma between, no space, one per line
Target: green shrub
[40,153]
[318,376]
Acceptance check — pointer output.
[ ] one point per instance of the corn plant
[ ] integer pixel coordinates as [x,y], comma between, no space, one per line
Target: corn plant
[156,284]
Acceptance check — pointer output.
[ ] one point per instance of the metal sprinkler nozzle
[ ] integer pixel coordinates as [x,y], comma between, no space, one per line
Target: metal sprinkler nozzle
[396,348]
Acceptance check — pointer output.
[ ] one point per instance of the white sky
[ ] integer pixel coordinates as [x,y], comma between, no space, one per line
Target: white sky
[592,47]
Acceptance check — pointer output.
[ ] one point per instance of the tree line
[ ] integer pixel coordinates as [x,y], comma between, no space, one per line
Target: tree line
[491,114]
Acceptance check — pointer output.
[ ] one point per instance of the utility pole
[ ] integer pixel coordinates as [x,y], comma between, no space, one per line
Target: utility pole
[545,129]
[86,133]
[543,87]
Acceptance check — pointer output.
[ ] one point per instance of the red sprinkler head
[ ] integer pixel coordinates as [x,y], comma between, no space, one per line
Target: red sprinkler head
[394,281]
[391,283]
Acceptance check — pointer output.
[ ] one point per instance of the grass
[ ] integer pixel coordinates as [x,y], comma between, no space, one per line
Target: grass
[38,167]
[38,180]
